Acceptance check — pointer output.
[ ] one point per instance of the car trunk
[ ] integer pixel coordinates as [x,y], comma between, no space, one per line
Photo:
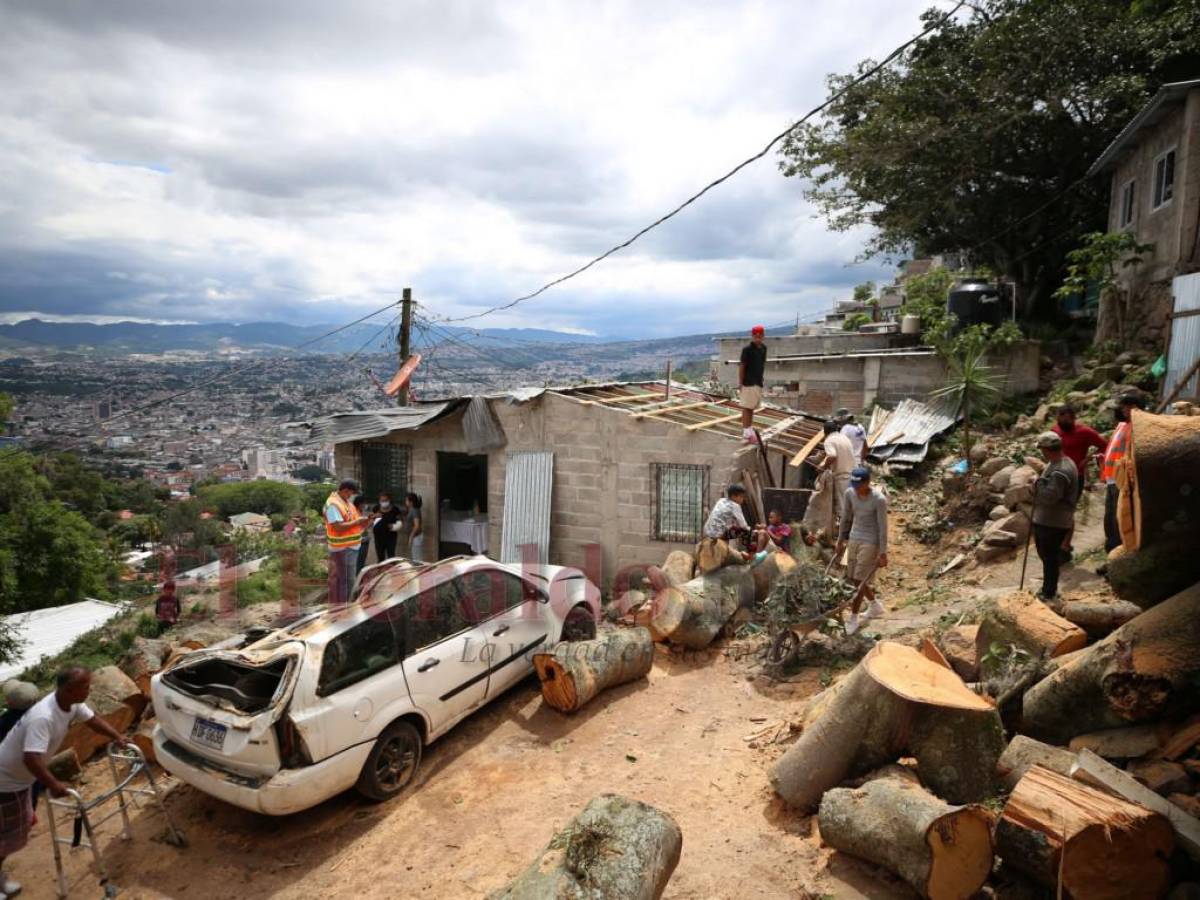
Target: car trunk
[222,706]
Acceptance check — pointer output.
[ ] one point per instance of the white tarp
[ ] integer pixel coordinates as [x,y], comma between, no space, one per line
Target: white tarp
[52,630]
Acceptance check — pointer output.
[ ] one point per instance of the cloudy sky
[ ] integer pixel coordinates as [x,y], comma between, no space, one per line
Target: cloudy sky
[303,161]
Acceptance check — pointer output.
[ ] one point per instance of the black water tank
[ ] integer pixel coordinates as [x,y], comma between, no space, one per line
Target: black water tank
[976,302]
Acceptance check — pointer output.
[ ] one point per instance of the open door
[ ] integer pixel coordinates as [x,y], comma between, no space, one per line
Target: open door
[528,480]
[462,485]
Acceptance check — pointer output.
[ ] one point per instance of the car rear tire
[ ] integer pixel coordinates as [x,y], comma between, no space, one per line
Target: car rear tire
[392,763]
[580,625]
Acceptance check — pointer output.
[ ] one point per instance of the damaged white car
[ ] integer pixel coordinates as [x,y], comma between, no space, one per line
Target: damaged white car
[350,697]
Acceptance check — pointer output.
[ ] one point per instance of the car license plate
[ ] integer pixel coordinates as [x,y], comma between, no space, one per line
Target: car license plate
[210,734]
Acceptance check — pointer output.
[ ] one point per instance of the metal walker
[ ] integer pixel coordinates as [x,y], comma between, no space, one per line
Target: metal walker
[73,803]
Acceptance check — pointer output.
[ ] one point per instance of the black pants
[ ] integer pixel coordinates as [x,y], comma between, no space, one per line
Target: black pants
[1049,547]
[364,550]
[385,544]
[1112,531]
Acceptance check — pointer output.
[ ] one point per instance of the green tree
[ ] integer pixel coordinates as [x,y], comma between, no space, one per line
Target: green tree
[264,497]
[853,321]
[960,143]
[315,495]
[864,292]
[6,407]
[312,473]
[184,527]
[1095,262]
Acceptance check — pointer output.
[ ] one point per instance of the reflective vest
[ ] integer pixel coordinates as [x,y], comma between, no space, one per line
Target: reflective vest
[1117,448]
[344,534]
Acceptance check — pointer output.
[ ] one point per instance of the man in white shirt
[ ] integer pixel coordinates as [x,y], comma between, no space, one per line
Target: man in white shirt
[725,523]
[857,435]
[840,462]
[27,749]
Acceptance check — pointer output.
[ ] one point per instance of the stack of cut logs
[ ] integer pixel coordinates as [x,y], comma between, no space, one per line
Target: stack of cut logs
[1096,786]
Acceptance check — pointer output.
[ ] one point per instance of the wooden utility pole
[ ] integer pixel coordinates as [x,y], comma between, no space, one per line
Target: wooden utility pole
[404,339]
[668,397]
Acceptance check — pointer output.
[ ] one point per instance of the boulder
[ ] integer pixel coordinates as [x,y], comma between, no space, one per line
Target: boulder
[958,646]
[1020,487]
[999,480]
[1111,372]
[987,552]
[998,512]
[1024,426]
[117,699]
[1129,358]
[991,466]
[1038,465]
[979,454]
[1016,523]
[1042,413]
[998,537]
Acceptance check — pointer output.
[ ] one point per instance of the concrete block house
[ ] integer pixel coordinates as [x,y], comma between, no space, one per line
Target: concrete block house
[600,477]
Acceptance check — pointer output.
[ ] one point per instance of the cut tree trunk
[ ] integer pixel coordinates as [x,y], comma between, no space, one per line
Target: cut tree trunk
[1162,478]
[958,646]
[1023,753]
[574,672]
[1144,671]
[615,847]
[766,572]
[65,765]
[679,567]
[144,658]
[1128,742]
[1023,621]
[1151,575]
[143,738]
[1101,847]
[873,714]
[711,556]
[1097,618]
[694,613]
[943,851]
[117,700]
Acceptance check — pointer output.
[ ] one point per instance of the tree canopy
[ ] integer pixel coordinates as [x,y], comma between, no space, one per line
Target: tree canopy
[264,497]
[959,144]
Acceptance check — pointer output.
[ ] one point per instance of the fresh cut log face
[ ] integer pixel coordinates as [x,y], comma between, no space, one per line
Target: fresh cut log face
[576,671]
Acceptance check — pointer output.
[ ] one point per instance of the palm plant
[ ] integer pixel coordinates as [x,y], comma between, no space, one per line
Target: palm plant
[971,383]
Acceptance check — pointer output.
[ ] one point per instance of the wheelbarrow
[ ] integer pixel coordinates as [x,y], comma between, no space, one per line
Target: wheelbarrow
[787,641]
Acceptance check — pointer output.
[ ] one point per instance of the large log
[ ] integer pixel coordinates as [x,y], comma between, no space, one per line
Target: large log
[1128,742]
[1162,478]
[694,613]
[1023,753]
[615,847]
[572,673]
[895,699]
[1023,621]
[1151,575]
[143,659]
[775,566]
[943,851]
[1099,847]
[1143,671]
[1098,618]
[679,567]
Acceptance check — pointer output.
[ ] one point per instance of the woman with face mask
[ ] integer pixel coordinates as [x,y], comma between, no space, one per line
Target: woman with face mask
[386,527]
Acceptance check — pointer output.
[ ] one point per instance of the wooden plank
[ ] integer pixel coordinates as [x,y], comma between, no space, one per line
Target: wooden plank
[669,409]
[711,422]
[623,398]
[1183,740]
[799,458]
[779,427]
[754,492]
[1091,769]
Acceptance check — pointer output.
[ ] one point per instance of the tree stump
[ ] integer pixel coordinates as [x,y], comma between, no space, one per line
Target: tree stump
[943,851]
[1162,479]
[895,699]
[1143,671]
[576,671]
[1101,847]
[615,847]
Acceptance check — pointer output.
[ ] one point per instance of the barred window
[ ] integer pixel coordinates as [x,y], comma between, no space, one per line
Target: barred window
[383,466]
[678,494]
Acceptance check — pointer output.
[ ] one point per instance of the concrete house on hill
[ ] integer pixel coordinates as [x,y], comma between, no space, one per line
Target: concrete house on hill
[1153,167]
[600,477]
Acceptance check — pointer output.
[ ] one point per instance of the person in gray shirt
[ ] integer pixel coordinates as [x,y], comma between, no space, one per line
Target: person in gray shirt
[864,525]
[1054,496]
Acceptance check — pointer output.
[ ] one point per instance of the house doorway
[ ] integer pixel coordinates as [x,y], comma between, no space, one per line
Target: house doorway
[462,504]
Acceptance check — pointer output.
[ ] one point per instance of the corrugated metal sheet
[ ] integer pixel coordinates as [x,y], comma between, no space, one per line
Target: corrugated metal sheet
[52,630]
[480,428]
[903,435]
[372,423]
[1185,336]
[528,482]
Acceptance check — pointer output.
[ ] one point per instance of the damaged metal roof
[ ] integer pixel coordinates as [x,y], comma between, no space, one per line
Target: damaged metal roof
[49,631]
[901,437]
[362,425]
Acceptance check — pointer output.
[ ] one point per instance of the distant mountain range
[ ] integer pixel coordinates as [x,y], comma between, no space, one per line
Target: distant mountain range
[122,338]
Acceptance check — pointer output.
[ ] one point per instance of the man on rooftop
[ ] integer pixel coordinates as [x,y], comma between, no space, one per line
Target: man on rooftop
[750,380]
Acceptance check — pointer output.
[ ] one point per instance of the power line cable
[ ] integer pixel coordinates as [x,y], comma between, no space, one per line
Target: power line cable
[723,178]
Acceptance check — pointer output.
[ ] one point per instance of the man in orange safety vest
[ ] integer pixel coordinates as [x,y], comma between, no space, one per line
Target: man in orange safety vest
[344,527]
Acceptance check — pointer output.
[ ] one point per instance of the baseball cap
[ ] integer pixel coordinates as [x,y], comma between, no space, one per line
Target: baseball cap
[348,484]
[842,413]
[860,475]
[1049,440]
[758,329]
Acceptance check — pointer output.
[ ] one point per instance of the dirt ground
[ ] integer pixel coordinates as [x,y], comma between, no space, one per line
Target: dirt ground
[492,792]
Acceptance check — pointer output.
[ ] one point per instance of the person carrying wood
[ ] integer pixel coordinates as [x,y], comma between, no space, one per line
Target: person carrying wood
[840,461]
[1054,497]
[750,380]
[855,432]
[725,523]
[863,535]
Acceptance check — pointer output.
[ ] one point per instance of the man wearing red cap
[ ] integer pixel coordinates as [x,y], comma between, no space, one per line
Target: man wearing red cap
[750,380]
